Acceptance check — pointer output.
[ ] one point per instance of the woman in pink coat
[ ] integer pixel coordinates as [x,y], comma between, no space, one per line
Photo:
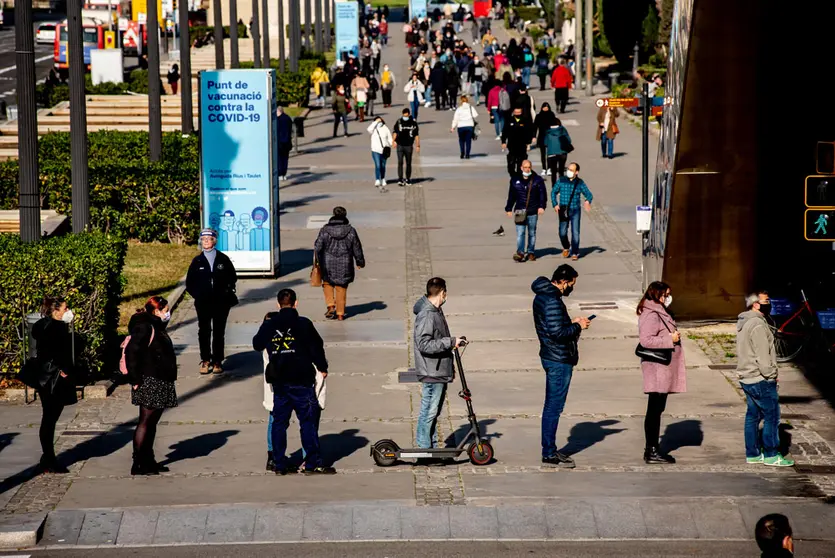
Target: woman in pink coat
[657,330]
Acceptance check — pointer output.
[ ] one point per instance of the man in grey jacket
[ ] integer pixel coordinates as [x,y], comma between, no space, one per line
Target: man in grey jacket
[757,371]
[433,359]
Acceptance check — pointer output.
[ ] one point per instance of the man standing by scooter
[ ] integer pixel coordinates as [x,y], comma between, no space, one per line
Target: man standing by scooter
[433,359]
[558,335]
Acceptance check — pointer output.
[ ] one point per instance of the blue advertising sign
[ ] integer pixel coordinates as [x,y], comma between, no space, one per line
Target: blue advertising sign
[417,8]
[239,165]
[346,17]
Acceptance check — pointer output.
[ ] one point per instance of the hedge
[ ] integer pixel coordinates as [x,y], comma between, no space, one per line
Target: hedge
[293,87]
[129,195]
[86,270]
[49,96]
[524,13]
[200,30]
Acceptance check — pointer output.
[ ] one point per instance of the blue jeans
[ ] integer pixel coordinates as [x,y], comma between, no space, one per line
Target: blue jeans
[557,380]
[465,139]
[270,434]
[529,226]
[302,400]
[379,165]
[607,145]
[498,120]
[526,76]
[431,403]
[574,221]
[414,105]
[427,95]
[763,404]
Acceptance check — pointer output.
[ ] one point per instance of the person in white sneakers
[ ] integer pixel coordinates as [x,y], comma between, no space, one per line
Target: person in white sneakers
[381,141]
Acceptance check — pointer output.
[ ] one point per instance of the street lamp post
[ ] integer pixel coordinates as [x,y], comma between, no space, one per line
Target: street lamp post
[186,113]
[635,52]
[589,47]
[307,25]
[27,124]
[281,35]
[218,18]
[317,8]
[78,119]
[255,30]
[327,31]
[265,15]
[295,36]
[233,34]
[154,108]
[578,43]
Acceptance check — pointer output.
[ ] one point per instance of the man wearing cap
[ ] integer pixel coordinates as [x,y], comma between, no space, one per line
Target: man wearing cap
[211,282]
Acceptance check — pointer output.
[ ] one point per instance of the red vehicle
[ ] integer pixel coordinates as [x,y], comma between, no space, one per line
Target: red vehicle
[92,38]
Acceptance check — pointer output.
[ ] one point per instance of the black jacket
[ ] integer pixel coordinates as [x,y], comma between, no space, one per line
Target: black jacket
[337,247]
[217,285]
[54,355]
[145,356]
[284,132]
[517,134]
[405,132]
[517,194]
[310,349]
[438,77]
[557,335]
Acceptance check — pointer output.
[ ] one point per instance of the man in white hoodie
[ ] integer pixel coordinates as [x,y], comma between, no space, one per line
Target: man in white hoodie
[757,371]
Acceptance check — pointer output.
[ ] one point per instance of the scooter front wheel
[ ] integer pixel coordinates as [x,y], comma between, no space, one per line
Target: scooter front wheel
[480,454]
[385,453]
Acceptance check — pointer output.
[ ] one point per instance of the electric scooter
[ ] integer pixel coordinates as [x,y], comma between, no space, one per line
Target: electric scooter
[386,452]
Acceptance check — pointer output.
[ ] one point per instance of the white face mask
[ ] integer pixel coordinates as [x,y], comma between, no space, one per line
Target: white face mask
[668,301]
[68,316]
[569,173]
[526,173]
[166,316]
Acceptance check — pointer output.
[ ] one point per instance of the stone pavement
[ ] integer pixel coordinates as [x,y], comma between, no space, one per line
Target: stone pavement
[214,441]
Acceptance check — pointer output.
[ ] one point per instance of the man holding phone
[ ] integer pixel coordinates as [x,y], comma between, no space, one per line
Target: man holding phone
[558,335]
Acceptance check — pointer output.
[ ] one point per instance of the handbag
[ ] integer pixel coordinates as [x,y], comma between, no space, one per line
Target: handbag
[565,144]
[476,127]
[520,216]
[316,274]
[564,208]
[386,148]
[658,356]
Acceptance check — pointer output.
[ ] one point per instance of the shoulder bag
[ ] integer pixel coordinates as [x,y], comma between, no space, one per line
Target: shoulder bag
[658,356]
[386,148]
[520,216]
[316,274]
[476,127]
[564,208]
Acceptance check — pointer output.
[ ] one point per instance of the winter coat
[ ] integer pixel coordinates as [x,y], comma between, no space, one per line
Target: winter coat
[318,77]
[756,358]
[528,106]
[493,97]
[561,78]
[284,129]
[414,91]
[517,195]
[612,130]
[464,116]
[543,122]
[557,335]
[553,141]
[147,357]
[337,247]
[433,343]
[359,89]
[54,345]
[339,103]
[388,81]
[438,78]
[215,285]
[380,136]
[655,327]
[298,369]
[517,134]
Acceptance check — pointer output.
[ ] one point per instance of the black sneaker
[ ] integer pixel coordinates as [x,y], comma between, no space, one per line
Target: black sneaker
[401,182]
[652,456]
[270,462]
[287,470]
[559,460]
[320,471]
[408,182]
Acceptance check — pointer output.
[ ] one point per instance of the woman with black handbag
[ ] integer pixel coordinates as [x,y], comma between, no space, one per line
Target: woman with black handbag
[54,374]
[662,363]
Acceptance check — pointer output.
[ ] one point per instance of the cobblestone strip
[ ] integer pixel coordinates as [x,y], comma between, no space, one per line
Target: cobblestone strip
[614,237]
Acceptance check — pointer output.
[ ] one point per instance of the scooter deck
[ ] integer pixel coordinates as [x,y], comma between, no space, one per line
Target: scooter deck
[426,452]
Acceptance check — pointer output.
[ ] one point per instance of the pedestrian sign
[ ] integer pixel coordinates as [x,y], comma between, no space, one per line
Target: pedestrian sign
[820,191]
[820,224]
[619,102]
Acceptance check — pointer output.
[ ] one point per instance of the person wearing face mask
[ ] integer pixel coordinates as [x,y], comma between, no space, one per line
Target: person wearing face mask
[527,195]
[756,369]
[387,84]
[433,355]
[381,142]
[54,373]
[152,371]
[565,197]
[406,139]
[211,281]
[517,134]
[558,336]
[414,89]
[657,330]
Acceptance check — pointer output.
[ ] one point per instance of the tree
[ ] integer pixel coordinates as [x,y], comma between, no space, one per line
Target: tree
[626,18]
[601,44]
[666,26]
[649,30]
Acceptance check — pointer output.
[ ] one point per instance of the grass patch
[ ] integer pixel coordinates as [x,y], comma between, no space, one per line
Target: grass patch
[390,3]
[293,112]
[151,269]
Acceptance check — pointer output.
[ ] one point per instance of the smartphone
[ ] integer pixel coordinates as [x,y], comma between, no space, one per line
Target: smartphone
[593,316]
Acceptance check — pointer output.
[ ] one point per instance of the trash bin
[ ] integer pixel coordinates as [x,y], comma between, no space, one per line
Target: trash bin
[613,80]
[31,320]
[299,122]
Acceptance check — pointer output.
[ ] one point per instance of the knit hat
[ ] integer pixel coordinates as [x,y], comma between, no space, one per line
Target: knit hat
[208,232]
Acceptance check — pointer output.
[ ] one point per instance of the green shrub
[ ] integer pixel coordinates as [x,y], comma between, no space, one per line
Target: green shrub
[658,60]
[86,270]
[621,90]
[293,87]
[649,30]
[201,30]
[129,195]
[49,96]
[535,31]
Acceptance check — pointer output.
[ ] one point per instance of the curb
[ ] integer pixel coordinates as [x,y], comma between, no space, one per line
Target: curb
[176,296]
[21,531]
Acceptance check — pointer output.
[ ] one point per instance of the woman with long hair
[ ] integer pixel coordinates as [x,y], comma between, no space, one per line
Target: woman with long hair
[152,371]
[464,120]
[658,332]
[55,374]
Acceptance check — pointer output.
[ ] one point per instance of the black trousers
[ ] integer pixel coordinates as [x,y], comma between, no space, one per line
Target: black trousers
[656,404]
[404,152]
[514,162]
[440,98]
[211,330]
[52,407]
[557,165]
[561,98]
[543,153]
[386,97]
[543,82]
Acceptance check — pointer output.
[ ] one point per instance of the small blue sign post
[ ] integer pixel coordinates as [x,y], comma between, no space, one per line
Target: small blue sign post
[417,8]
[239,166]
[347,20]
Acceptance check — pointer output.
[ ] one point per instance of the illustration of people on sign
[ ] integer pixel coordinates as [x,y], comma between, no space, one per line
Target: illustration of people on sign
[214,221]
[227,228]
[259,237]
[244,228]
[822,222]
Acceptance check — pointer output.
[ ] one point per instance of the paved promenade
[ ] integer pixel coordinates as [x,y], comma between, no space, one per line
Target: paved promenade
[214,442]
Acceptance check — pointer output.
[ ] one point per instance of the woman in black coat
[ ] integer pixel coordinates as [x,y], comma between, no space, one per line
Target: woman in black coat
[152,371]
[336,249]
[55,374]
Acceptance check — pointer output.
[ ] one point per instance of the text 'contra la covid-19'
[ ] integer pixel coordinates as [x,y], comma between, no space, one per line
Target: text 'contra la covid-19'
[222,102]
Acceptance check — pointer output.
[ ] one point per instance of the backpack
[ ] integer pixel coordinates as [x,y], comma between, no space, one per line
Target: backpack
[504,100]
[543,63]
[528,57]
[284,349]
[123,362]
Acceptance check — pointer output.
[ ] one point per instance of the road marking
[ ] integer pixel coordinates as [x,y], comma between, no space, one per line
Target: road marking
[41,59]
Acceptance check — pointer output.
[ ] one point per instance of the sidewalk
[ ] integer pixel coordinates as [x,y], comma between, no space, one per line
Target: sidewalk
[215,440]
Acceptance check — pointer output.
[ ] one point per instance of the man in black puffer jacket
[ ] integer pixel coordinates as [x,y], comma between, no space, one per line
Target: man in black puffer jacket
[558,335]
[336,249]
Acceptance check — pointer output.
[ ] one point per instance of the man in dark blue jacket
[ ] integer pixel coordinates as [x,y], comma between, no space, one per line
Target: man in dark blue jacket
[284,138]
[527,195]
[558,335]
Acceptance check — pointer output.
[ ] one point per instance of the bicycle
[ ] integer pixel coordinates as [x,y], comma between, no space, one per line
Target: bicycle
[800,331]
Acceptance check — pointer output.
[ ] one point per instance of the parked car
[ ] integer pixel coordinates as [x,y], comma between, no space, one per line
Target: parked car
[46,33]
